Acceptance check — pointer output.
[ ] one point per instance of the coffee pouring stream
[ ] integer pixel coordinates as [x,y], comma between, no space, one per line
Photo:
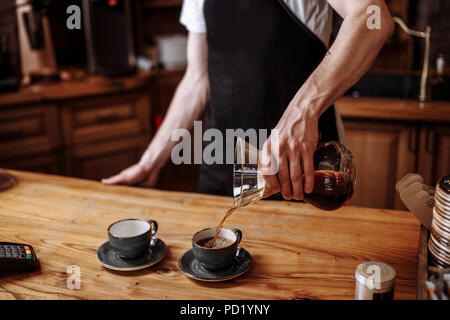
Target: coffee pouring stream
[334,176]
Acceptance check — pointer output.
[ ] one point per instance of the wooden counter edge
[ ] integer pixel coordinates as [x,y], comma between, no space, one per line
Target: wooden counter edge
[393,109]
[422,265]
[88,86]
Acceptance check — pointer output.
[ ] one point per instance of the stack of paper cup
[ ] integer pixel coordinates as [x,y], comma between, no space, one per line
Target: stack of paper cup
[439,243]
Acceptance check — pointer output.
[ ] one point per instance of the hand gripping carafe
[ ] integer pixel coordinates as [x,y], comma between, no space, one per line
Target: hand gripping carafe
[334,176]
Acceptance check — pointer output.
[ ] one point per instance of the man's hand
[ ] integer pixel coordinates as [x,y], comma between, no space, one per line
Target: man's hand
[350,56]
[137,174]
[297,136]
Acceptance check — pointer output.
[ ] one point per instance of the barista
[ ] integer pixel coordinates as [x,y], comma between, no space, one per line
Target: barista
[265,64]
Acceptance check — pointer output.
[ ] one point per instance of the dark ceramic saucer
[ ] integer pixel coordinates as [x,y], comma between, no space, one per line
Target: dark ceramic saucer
[192,268]
[109,258]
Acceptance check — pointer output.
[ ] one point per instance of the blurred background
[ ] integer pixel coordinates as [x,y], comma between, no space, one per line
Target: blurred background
[86,102]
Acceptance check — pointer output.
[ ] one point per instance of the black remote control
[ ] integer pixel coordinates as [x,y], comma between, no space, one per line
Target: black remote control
[16,257]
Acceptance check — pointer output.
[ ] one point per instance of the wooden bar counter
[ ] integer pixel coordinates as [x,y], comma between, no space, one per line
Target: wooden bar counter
[299,252]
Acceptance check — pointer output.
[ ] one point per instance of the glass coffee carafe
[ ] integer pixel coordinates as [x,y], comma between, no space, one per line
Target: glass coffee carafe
[334,176]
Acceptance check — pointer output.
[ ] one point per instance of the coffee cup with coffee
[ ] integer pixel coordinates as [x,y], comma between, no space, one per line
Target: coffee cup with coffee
[216,255]
[130,238]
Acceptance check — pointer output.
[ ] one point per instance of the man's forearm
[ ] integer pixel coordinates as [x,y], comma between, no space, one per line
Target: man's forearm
[351,55]
[188,105]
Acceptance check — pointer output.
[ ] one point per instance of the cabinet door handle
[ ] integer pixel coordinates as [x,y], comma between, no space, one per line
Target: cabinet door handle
[107,118]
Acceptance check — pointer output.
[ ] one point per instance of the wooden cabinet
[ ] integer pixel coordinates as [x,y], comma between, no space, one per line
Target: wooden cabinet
[434,152]
[390,138]
[384,153]
[102,160]
[46,163]
[90,129]
[105,135]
[28,130]
[98,119]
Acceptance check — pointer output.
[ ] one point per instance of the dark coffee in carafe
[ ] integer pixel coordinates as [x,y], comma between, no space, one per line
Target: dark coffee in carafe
[331,190]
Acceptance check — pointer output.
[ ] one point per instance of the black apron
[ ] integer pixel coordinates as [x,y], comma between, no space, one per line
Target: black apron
[259,55]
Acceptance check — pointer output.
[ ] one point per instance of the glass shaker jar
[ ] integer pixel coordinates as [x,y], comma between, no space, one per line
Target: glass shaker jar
[374,281]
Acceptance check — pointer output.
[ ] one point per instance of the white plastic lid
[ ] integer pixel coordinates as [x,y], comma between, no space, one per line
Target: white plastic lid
[375,275]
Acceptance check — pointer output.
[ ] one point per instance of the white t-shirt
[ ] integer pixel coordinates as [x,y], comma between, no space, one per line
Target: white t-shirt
[317,15]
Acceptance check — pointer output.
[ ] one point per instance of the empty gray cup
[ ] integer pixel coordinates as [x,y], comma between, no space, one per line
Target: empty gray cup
[130,238]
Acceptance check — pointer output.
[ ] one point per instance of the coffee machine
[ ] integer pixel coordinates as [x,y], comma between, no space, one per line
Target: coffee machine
[109,34]
[38,61]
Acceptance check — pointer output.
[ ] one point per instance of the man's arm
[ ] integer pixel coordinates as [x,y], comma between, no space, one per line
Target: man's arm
[350,56]
[188,104]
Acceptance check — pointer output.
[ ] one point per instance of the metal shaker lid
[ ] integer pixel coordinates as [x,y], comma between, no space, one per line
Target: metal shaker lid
[375,275]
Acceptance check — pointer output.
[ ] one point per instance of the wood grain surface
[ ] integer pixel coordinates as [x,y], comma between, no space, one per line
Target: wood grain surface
[299,252]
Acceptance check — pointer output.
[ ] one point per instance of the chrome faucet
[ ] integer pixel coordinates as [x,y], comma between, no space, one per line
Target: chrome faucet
[424,92]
